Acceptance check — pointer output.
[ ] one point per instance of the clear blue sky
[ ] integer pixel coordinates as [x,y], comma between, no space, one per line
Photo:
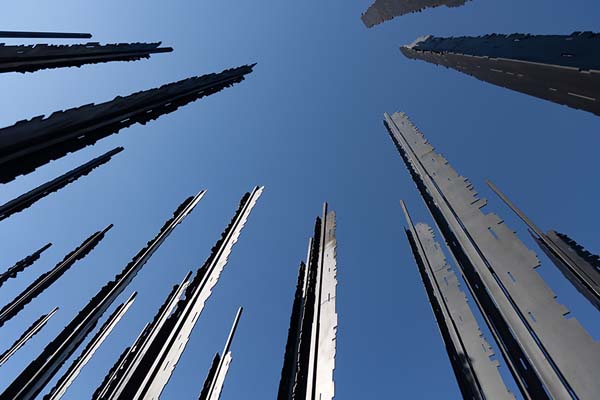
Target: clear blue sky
[307,124]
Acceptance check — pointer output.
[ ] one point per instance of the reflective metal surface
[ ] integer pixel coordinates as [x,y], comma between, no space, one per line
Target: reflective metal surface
[28,334]
[578,265]
[550,356]
[564,69]
[469,352]
[69,377]
[309,359]
[41,370]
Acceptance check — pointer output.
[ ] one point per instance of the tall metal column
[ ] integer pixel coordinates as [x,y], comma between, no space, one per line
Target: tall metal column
[22,264]
[470,354]
[213,385]
[560,68]
[550,356]
[47,279]
[578,265]
[30,144]
[26,200]
[43,56]
[309,360]
[145,368]
[40,371]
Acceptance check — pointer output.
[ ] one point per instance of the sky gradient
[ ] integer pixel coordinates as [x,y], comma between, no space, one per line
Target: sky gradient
[307,124]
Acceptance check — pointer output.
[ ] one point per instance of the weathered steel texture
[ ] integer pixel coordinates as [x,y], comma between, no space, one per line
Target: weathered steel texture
[549,355]
[22,264]
[69,377]
[28,334]
[147,375]
[213,385]
[469,352]
[45,280]
[309,360]
[27,145]
[26,200]
[41,370]
[563,69]
[575,263]
[44,35]
[385,10]
[43,56]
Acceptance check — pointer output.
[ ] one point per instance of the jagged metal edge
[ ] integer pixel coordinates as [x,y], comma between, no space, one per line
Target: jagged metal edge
[23,58]
[45,280]
[28,199]
[324,384]
[29,333]
[570,71]
[574,262]
[468,350]
[385,10]
[196,295]
[56,352]
[120,374]
[22,264]
[210,377]
[288,371]
[509,258]
[65,381]
[220,378]
[17,158]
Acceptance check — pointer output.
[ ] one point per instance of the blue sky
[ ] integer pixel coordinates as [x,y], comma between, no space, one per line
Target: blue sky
[307,124]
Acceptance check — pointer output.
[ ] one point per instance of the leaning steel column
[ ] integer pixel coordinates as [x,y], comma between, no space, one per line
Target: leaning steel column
[44,35]
[43,56]
[579,266]
[385,10]
[40,371]
[470,354]
[47,279]
[28,199]
[144,369]
[213,385]
[65,381]
[27,145]
[550,356]
[22,264]
[560,68]
[28,334]
[309,359]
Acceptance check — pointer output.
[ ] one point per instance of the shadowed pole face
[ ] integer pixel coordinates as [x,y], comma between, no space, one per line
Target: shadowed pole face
[145,368]
[43,56]
[549,355]
[26,200]
[44,35]
[30,144]
[40,371]
[563,69]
